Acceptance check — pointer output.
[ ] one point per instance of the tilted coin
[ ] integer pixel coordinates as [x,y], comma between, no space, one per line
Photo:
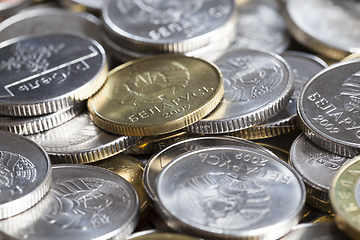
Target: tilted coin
[309,22]
[345,197]
[230,192]
[316,231]
[317,167]
[261,26]
[36,124]
[159,235]
[328,107]
[80,141]
[257,85]
[160,159]
[156,95]
[9,7]
[350,57]
[49,20]
[131,170]
[43,74]
[25,174]
[86,202]
[303,66]
[325,218]
[168,27]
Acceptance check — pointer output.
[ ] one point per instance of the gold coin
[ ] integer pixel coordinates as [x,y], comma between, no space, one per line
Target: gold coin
[131,170]
[325,218]
[345,197]
[350,57]
[156,95]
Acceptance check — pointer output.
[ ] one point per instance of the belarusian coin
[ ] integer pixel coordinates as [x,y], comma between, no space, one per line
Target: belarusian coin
[80,141]
[257,86]
[230,192]
[156,95]
[328,107]
[43,74]
[25,174]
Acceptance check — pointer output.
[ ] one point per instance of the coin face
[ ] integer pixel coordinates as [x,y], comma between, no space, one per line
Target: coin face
[328,107]
[229,192]
[156,95]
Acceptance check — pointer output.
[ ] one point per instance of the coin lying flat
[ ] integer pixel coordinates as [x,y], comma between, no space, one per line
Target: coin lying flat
[317,167]
[230,192]
[80,141]
[309,22]
[257,85]
[25,174]
[85,202]
[328,107]
[43,74]
[156,95]
[160,159]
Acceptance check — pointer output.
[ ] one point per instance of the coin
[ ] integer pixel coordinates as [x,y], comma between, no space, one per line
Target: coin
[229,192]
[25,174]
[82,5]
[159,235]
[80,141]
[43,74]
[9,7]
[317,167]
[156,95]
[328,108]
[258,85]
[325,218]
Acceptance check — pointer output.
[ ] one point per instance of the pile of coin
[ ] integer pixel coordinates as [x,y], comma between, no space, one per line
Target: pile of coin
[178,119]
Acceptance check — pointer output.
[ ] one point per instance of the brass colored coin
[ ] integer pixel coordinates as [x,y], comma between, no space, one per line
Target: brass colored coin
[131,170]
[350,57]
[156,95]
[325,218]
[345,197]
[280,152]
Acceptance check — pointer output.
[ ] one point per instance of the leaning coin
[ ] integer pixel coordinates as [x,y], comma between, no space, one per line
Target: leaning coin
[344,197]
[80,141]
[230,192]
[87,203]
[156,95]
[160,159]
[316,231]
[309,22]
[258,85]
[317,167]
[304,66]
[328,107]
[25,174]
[157,234]
[43,74]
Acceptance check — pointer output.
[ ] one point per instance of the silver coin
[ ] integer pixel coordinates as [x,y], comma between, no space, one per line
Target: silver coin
[9,7]
[317,167]
[85,202]
[316,231]
[48,21]
[230,193]
[309,22]
[25,174]
[168,26]
[261,26]
[257,84]
[81,141]
[32,125]
[43,74]
[328,107]
[160,159]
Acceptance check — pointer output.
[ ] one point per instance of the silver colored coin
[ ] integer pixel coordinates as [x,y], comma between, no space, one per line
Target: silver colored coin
[257,85]
[25,174]
[309,22]
[168,26]
[317,167]
[160,159]
[32,125]
[48,20]
[85,202]
[81,141]
[230,193]
[43,74]
[328,107]
[9,7]
[316,231]
[261,26]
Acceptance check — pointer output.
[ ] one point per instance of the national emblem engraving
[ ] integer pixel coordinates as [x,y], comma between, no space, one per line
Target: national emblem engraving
[349,94]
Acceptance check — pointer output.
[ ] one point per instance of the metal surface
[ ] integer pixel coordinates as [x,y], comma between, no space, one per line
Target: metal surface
[230,193]
[9,7]
[159,235]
